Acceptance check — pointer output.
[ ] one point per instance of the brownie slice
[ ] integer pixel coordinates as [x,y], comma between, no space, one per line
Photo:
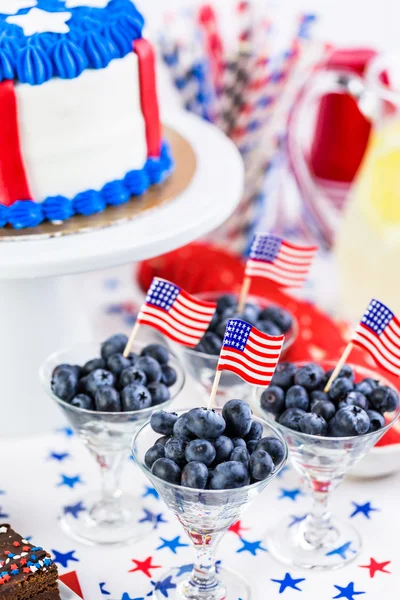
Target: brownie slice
[26,571]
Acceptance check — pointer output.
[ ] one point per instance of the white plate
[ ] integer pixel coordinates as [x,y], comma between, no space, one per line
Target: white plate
[66,593]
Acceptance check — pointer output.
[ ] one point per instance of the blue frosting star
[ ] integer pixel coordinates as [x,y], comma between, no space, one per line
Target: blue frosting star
[74,509]
[342,550]
[184,569]
[165,585]
[151,517]
[348,592]
[171,544]
[67,431]
[292,494]
[59,456]
[2,514]
[64,558]
[288,582]
[251,547]
[126,596]
[364,509]
[295,520]
[69,481]
[150,491]
[103,590]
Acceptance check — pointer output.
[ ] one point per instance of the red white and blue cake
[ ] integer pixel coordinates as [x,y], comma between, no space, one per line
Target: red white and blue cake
[79,119]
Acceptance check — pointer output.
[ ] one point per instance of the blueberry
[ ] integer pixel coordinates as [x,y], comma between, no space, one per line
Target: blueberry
[201,451]
[97,379]
[175,450]
[313,424]
[158,352]
[159,393]
[64,384]
[214,322]
[205,424]
[372,382]
[319,395]
[256,431]
[340,388]
[135,397]
[163,422]
[66,367]
[168,376]
[223,447]
[162,440]
[281,317]
[200,348]
[310,376]
[354,399]
[352,420]
[345,371]
[117,363]
[261,465]
[212,343]
[226,301]
[239,442]
[150,367]
[181,428]
[250,312]
[291,417]
[251,445]
[364,387]
[241,455]
[324,408]
[273,399]
[114,345]
[153,454]
[274,447]
[237,415]
[195,475]
[384,399]
[221,327]
[284,375]
[268,327]
[92,365]
[132,375]
[229,475]
[82,401]
[333,429]
[297,397]
[167,470]
[107,399]
[376,419]
[133,358]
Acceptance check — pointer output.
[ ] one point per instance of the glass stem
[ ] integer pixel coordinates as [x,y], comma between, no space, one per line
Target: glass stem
[107,508]
[318,524]
[203,582]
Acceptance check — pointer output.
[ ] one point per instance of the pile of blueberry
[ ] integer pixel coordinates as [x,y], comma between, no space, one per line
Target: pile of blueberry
[296,398]
[203,449]
[113,383]
[272,320]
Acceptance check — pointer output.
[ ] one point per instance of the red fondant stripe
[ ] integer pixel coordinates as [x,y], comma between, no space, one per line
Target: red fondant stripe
[13,181]
[148,95]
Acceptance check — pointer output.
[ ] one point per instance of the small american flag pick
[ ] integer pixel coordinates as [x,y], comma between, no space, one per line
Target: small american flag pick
[379,334]
[283,262]
[175,313]
[249,353]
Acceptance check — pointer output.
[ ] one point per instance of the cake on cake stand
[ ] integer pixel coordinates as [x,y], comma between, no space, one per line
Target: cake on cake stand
[40,306]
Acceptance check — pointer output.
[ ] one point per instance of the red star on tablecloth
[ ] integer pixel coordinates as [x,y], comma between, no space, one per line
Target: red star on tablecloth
[237,528]
[145,566]
[375,566]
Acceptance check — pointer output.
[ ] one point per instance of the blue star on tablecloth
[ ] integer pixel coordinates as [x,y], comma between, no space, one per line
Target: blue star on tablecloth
[348,592]
[67,431]
[341,550]
[164,586]
[70,482]
[63,558]
[292,494]
[126,596]
[151,517]
[363,509]
[251,547]
[184,569]
[172,545]
[288,582]
[295,520]
[74,509]
[59,456]
[103,590]
[150,491]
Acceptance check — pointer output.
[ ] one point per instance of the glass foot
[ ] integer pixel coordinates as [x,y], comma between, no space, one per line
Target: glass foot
[174,585]
[288,543]
[94,523]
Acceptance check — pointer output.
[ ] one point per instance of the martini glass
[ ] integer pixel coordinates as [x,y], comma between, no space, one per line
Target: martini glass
[110,516]
[202,366]
[318,540]
[205,516]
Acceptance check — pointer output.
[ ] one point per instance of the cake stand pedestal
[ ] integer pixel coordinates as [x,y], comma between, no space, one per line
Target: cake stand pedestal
[41,307]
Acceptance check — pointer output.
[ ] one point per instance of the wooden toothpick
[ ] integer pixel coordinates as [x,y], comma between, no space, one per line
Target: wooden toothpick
[132,337]
[214,390]
[243,293]
[338,367]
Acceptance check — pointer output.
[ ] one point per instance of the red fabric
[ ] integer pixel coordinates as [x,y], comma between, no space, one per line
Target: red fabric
[13,181]
[71,581]
[208,22]
[148,95]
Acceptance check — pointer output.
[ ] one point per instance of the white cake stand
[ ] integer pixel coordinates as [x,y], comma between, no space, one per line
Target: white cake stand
[42,311]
